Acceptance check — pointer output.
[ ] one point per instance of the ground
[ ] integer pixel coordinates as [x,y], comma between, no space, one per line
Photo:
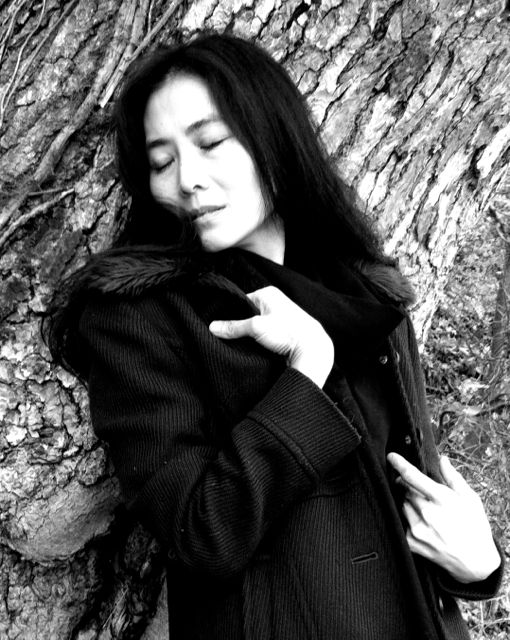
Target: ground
[474,435]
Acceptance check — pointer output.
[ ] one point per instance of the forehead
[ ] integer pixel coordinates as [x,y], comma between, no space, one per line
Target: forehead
[182,100]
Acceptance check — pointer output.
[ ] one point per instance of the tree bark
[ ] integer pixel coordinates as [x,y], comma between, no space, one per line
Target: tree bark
[500,326]
[411,99]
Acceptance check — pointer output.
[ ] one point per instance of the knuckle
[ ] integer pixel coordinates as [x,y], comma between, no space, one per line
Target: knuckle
[274,294]
[406,475]
[256,324]
[411,541]
[428,513]
[266,292]
[272,290]
[420,532]
[442,492]
[230,328]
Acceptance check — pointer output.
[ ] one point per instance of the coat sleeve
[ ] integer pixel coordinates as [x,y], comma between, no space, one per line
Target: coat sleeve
[480,590]
[209,504]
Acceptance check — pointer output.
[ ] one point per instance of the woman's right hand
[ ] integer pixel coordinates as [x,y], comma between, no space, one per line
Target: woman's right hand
[284,328]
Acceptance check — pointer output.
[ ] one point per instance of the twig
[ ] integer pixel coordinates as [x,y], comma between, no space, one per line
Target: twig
[373,14]
[154,32]
[30,215]
[136,32]
[149,15]
[28,63]
[43,192]
[56,148]
[14,81]
[5,38]
[119,72]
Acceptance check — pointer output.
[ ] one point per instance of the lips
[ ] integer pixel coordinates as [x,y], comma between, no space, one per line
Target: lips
[198,213]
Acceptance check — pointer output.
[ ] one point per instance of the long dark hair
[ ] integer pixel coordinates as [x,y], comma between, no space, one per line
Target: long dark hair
[265,111]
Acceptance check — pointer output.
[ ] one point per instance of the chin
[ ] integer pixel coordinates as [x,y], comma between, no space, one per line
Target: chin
[211,246]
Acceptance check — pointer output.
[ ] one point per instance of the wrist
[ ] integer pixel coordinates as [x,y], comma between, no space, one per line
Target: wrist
[315,363]
[486,567]
[493,562]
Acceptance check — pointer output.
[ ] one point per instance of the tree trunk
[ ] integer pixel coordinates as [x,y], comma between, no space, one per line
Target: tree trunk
[411,99]
[500,327]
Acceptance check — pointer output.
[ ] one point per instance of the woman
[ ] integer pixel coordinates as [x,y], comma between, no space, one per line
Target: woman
[252,367]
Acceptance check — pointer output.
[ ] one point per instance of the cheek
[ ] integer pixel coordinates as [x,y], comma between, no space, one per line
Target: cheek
[245,181]
[161,190]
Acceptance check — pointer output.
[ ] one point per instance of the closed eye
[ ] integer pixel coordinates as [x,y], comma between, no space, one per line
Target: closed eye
[209,146]
[160,167]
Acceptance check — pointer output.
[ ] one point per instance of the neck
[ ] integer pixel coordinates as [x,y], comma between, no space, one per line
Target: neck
[270,243]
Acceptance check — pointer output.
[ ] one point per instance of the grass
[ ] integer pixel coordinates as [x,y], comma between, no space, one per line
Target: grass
[471,430]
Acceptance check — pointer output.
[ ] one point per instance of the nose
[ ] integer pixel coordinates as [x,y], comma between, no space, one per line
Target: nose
[192,173]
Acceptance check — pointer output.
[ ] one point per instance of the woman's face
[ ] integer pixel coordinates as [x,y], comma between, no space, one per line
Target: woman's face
[198,166]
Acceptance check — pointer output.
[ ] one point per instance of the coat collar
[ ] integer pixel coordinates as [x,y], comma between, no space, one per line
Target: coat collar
[131,271]
[354,318]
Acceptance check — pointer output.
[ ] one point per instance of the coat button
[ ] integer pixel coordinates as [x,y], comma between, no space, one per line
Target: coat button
[383,359]
[408,440]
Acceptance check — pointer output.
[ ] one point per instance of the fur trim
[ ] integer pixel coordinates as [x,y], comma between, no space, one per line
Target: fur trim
[132,271]
[389,280]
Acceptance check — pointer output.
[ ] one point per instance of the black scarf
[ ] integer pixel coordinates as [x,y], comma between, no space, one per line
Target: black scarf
[357,320]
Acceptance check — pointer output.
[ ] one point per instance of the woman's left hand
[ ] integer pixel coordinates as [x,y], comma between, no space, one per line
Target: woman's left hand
[447,523]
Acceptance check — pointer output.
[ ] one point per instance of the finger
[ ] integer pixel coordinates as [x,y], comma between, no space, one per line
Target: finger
[257,298]
[419,529]
[230,329]
[410,492]
[413,477]
[418,500]
[265,299]
[452,477]
[412,515]
[420,548]
[265,292]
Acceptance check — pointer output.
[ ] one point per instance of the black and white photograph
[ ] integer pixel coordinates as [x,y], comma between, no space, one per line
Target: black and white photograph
[255,320]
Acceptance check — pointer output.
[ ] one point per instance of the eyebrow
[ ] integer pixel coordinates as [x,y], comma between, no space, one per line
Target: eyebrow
[192,128]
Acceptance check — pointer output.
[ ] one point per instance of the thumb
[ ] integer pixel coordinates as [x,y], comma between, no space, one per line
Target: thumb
[229,329]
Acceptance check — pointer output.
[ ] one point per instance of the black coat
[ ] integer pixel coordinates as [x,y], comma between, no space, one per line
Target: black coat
[277,514]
